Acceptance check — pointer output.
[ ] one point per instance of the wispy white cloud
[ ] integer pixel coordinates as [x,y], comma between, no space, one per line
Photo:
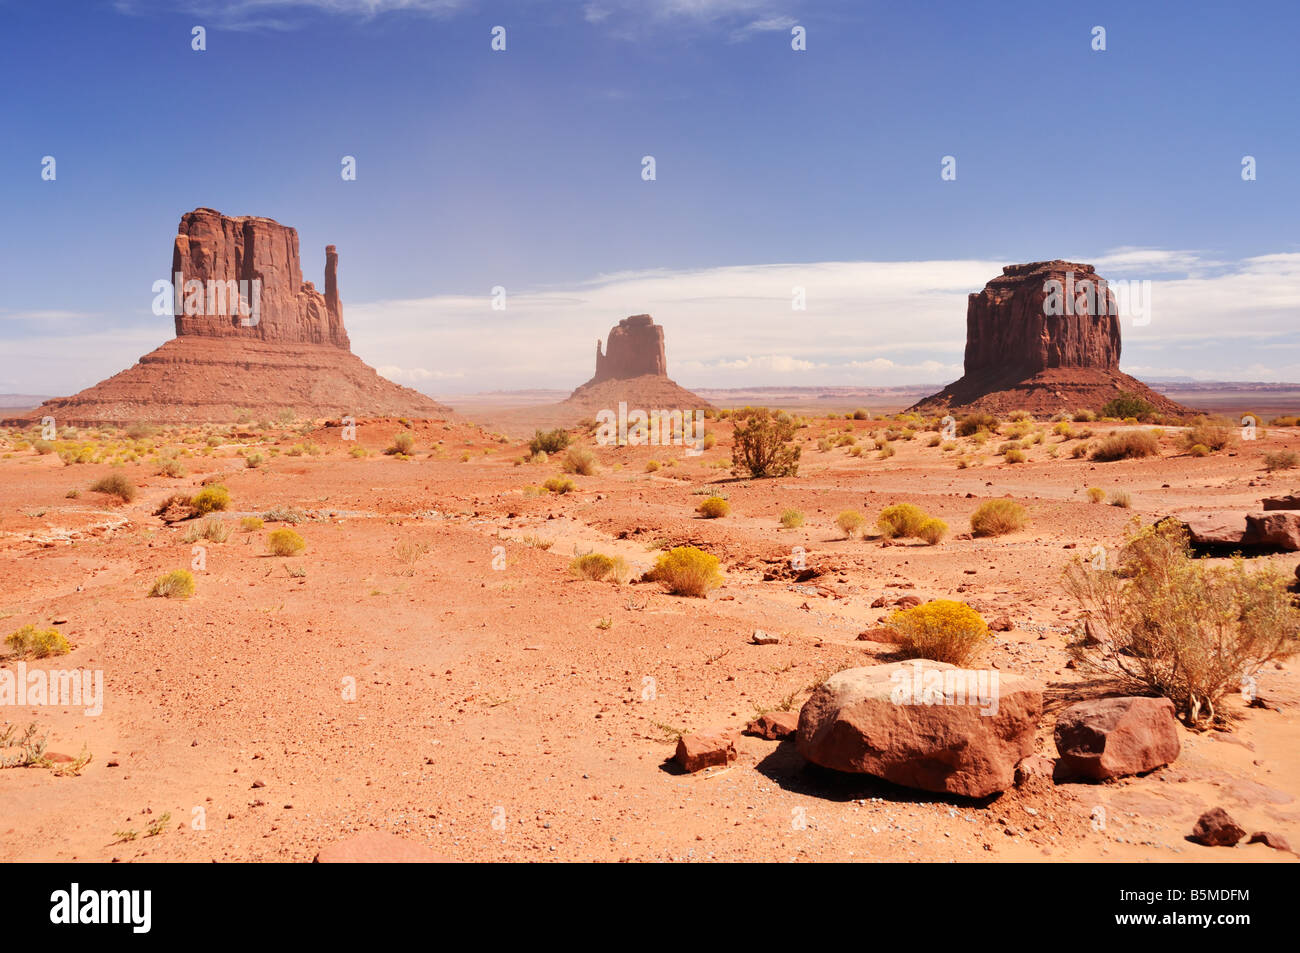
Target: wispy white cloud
[864,323]
[286,14]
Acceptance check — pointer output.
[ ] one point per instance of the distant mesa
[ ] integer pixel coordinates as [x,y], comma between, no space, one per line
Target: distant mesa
[251,337]
[636,347]
[1023,352]
[633,368]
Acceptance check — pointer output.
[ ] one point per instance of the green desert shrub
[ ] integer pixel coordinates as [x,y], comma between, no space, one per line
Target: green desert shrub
[713,508]
[791,519]
[997,518]
[37,643]
[559,485]
[933,530]
[1096,494]
[1281,460]
[763,443]
[597,566]
[177,584]
[402,445]
[850,522]
[580,460]
[686,571]
[1127,405]
[285,542]
[552,441]
[1125,445]
[974,423]
[1165,622]
[211,529]
[115,484]
[210,499]
[900,520]
[1207,435]
[251,524]
[942,630]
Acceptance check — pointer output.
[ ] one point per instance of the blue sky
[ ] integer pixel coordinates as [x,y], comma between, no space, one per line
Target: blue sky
[522,169]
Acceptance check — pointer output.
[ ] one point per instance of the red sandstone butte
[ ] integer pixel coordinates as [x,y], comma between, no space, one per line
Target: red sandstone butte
[223,364]
[632,369]
[1020,357]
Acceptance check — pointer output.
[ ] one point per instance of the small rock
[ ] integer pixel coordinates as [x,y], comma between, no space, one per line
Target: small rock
[1215,828]
[774,725]
[764,638]
[1269,839]
[698,751]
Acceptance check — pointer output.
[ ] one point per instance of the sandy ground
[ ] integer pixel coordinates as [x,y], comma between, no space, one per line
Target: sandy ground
[505,710]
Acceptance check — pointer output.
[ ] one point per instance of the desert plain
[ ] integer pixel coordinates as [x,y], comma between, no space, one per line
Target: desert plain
[428,670]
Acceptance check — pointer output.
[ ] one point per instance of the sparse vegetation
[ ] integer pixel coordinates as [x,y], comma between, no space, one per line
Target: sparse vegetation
[1209,436]
[402,445]
[211,529]
[1096,494]
[32,642]
[285,514]
[550,442]
[177,584]
[1166,622]
[850,523]
[942,630]
[1124,406]
[559,485]
[115,484]
[251,524]
[763,443]
[1120,498]
[686,571]
[580,460]
[900,520]
[210,499]
[598,566]
[1281,460]
[932,530]
[791,519]
[972,424]
[1126,444]
[998,517]
[285,542]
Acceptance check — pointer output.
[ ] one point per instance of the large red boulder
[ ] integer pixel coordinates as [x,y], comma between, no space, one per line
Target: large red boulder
[1114,737]
[923,724]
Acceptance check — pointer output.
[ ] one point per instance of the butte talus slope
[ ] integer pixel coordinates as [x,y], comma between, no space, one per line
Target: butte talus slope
[1020,357]
[223,362]
[634,370]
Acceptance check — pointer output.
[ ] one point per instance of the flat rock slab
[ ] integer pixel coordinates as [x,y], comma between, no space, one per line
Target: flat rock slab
[774,725]
[1115,737]
[706,750]
[923,724]
[376,847]
[1277,528]
[1290,502]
